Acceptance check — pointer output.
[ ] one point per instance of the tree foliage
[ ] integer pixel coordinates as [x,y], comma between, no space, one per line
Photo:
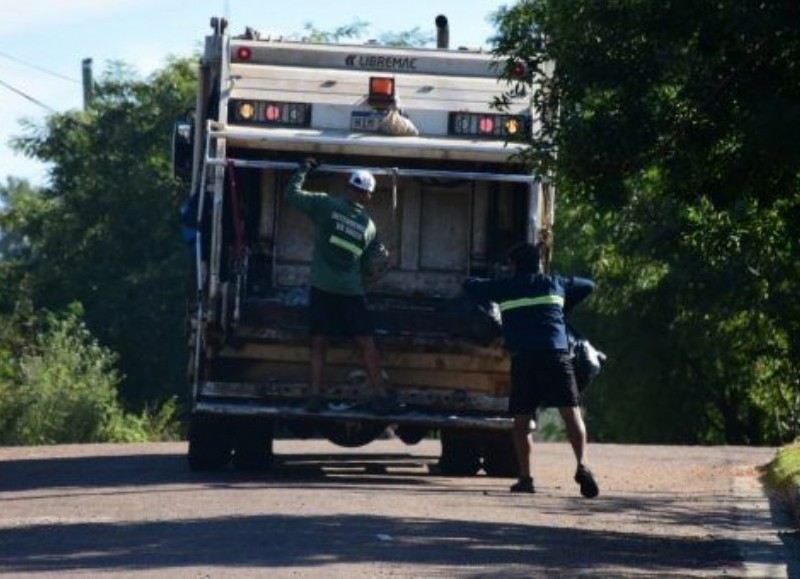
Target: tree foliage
[359,29]
[670,129]
[104,232]
[59,385]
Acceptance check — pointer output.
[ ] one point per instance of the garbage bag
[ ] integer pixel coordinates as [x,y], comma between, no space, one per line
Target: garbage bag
[586,359]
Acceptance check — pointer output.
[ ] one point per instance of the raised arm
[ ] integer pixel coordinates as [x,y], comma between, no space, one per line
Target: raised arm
[296,196]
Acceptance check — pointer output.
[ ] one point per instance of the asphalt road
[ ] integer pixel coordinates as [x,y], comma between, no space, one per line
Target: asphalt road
[376,511]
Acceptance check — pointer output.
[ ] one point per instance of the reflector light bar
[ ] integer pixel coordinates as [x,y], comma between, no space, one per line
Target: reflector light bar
[269,113]
[488,125]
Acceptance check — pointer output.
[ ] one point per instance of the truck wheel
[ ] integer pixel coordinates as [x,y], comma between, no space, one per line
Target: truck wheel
[352,434]
[210,444]
[411,434]
[460,454]
[499,457]
[252,445]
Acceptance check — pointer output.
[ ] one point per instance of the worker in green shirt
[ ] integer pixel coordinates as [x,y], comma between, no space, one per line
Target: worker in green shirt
[344,235]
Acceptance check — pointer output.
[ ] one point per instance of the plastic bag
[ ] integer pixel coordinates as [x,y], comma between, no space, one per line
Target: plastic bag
[394,123]
[586,359]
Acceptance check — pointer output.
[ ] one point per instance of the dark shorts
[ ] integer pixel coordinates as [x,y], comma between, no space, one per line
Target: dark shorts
[541,379]
[338,316]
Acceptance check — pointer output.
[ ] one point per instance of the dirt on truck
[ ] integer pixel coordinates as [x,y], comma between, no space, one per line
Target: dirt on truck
[450,199]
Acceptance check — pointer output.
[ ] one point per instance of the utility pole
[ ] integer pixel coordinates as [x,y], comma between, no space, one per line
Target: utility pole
[87,82]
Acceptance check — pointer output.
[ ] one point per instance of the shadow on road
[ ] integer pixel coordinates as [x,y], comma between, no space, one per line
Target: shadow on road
[159,469]
[266,541]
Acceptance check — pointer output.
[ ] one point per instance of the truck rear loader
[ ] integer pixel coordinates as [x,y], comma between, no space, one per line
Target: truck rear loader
[451,198]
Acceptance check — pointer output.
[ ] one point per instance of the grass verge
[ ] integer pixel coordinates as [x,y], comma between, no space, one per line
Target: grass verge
[783,475]
[784,470]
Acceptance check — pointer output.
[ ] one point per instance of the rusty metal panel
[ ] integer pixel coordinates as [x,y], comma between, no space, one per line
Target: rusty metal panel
[267,217]
[409,238]
[390,358]
[445,229]
[295,238]
[480,236]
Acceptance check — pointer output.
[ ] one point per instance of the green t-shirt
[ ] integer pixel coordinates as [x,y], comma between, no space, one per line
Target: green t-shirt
[342,232]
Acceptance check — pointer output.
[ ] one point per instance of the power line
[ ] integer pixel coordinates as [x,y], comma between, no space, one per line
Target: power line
[27,96]
[39,68]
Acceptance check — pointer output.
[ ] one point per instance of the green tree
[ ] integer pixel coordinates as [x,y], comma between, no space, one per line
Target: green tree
[105,232]
[62,388]
[670,132]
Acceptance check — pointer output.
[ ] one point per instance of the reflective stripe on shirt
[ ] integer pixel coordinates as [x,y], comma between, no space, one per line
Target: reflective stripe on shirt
[344,244]
[537,301]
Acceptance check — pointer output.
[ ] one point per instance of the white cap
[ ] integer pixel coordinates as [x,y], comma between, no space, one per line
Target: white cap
[363,180]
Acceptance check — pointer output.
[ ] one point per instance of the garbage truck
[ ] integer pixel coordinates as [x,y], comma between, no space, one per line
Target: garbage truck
[452,195]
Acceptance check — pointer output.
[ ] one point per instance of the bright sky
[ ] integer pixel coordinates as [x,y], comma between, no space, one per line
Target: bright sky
[43,42]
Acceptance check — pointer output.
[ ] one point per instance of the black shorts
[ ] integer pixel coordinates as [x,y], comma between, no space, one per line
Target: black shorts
[338,315]
[541,379]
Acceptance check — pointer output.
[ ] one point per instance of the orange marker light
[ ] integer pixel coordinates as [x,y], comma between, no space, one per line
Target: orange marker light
[382,86]
[381,91]
[246,111]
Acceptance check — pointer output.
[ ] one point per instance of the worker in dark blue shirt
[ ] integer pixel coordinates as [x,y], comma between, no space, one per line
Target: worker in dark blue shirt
[532,307]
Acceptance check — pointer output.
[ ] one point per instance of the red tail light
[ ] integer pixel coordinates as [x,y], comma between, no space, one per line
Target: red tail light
[243,53]
[518,70]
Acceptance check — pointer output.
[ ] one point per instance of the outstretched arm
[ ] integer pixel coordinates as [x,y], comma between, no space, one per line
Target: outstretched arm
[577,290]
[481,289]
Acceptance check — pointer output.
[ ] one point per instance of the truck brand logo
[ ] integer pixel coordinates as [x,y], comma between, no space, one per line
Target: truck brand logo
[381,62]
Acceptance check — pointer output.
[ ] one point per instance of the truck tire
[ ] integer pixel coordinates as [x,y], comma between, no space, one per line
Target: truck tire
[352,434]
[499,456]
[252,445]
[210,444]
[411,434]
[460,454]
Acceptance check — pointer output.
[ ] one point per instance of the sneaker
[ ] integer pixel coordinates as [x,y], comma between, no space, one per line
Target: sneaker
[585,478]
[315,404]
[523,485]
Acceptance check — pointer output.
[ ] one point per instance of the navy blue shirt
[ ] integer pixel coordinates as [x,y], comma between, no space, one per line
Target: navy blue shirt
[532,307]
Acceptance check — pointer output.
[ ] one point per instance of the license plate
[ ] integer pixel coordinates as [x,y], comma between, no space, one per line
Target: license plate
[365,121]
